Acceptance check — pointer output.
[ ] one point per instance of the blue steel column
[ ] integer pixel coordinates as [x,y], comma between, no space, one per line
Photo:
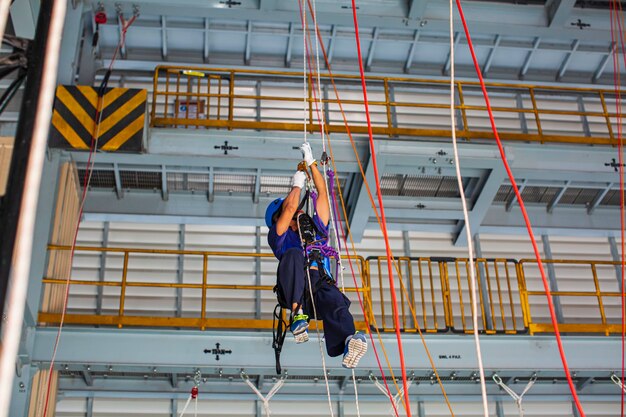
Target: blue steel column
[482,276]
[257,274]
[21,391]
[552,278]
[617,258]
[70,44]
[43,224]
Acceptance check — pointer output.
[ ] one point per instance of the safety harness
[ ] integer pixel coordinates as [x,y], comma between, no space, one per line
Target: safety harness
[316,247]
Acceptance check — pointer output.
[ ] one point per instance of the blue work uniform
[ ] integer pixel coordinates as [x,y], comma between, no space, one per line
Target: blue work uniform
[331,304]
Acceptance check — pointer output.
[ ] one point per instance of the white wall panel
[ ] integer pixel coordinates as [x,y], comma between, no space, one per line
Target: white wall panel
[242,270]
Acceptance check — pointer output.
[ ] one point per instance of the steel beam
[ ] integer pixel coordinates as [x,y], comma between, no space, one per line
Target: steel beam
[482,283]
[602,66]
[45,216]
[102,267]
[164,192]
[251,350]
[554,285]
[289,45]
[490,188]
[615,255]
[247,52]
[267,5]
[331,43]
[163,38]
[559,11]
[257,273]
[529,56]
[598,199]
[206,46]
[411,54]
[371,50]
[446,66]
[23,15]
[503,18]
[558,197]
[361,210]
[416,9]
[22,385]
[583,118]
[567,60]
[180,269]
[70,45]
[492,52]
[566,221]
[513,198]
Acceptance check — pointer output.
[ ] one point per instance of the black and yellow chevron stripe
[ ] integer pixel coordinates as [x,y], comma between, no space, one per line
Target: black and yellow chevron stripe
[121,122]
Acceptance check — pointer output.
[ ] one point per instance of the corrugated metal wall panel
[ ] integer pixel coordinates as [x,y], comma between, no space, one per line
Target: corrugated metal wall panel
[241,304]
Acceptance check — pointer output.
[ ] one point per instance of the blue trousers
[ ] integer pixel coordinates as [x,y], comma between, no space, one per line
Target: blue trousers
[331,305]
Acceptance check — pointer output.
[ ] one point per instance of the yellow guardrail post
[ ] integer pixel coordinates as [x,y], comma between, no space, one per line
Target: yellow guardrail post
[123,289]
[536,112]
[599,297]
[231,100]
[205,261]
[607,117]
[388,108]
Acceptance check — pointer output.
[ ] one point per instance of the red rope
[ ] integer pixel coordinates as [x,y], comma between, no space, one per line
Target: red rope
[92,149]
[392,289]
[618,109]
[524,213]
[343,234]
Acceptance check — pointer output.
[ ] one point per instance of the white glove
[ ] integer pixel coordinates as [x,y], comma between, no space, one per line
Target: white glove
[298,180]
[307,153]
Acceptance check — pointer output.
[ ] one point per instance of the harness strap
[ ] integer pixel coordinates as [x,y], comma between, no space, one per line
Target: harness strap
[279,331]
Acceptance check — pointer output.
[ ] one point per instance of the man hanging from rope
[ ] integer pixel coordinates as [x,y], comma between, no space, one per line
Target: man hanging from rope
[299,241]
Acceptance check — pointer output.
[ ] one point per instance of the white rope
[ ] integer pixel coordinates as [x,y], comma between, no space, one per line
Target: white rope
[194,394]
[470,247]
[395,399]
[304,63]
[317,72]
[356,394]
[317,330]
[20,263]
[517,398]
[182,413]
[618,382]
[265,399]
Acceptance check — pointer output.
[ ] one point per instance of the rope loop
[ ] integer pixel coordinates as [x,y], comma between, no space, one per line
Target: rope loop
[265,399]
[617,381]
[517,398]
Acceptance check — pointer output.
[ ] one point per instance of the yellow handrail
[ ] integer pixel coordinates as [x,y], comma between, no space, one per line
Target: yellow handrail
[436,288]
[200,89]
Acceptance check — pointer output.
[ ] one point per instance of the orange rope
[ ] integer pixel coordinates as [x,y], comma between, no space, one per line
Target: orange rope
[366,184]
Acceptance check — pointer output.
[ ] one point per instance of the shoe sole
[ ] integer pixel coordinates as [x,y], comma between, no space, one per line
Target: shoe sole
[356,350]
[301,337]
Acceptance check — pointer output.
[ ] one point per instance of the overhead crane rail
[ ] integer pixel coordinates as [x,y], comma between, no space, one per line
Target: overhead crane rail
[217,98]
[510,297]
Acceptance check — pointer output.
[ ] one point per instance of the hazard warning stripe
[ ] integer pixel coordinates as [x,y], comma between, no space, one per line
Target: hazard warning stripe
[121,117]
[73,122]
[123,136]
[78,111]
[136,113]
[89,93]
[66,130]
[108,122]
